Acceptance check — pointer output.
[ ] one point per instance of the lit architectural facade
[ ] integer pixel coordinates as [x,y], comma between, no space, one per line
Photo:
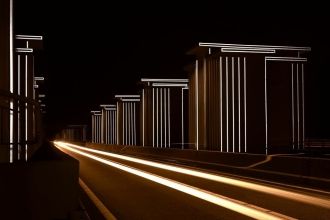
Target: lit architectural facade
[96,126]
[164,112]
[109,124]
[128,120]
[247,98]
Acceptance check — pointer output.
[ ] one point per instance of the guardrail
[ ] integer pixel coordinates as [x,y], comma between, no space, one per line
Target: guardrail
[20,127]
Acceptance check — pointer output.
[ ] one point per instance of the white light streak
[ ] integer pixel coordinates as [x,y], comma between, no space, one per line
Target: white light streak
[214,198]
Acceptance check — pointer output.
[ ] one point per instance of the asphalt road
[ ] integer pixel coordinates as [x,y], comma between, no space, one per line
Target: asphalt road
[130,191]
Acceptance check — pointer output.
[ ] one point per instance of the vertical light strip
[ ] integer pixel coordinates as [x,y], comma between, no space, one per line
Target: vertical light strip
[117,124]
[161,117]
[157,116]
[239,102]
[221,99]
[100,131]
[165,117]
[128,123]
[303,103]
[105,121]
[123,114]
[292,108]
[245,138]
[102,127]
[143,117]
[134,124]
[169,116]
[196,75]
[96,129]
[111,127]
[266,110]
[107,134]
[95,118]
[233,97]
[129,120]
[182,129]
[19,139]
[93,129]
[153,117]
[11,79]
[227,122]
[26,106]
[298,108]
[204,102]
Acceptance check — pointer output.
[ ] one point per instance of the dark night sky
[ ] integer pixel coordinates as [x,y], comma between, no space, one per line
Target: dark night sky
[93,51]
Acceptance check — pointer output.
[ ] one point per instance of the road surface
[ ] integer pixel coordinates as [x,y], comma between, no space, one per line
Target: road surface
[131,188]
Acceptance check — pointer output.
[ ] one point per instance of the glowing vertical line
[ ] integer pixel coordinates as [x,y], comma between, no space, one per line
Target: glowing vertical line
[233,97]
[182,129]
[266,110]
[157,115]
[161,117]
[245,138]
[169,116]
[221,98]
[165,119]
[95,117]
[123,114]
[298,108]
[19,106]
[117,123]
[221,128]
[153,117]
[26,112]
[227,124]
[196,75]
[93,129]
[292,108]
[102,127]
[129,121]
[204,102]
[110,127]
[11,79]
[105,121]
[143,117]
[97,129]
[239,103]
[134,123]
[303,103]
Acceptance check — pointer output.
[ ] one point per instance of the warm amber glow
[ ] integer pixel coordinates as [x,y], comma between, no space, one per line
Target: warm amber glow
[230,181]
[234,205]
